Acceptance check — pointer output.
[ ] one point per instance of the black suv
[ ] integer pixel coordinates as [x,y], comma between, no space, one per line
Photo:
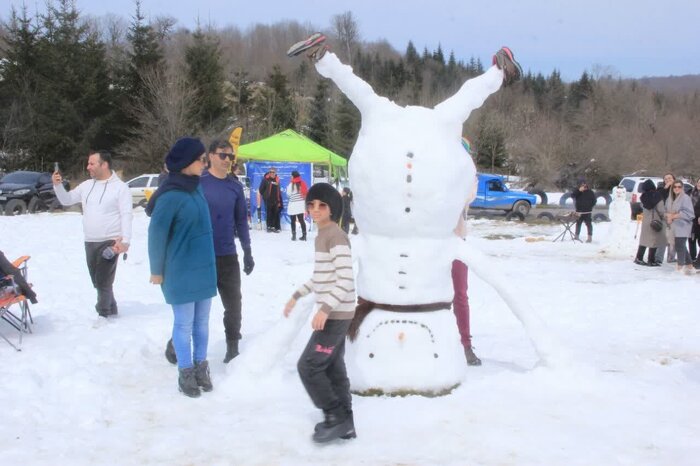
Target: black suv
[24,191]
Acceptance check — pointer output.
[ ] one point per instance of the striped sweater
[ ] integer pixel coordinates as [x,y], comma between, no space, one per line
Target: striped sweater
[333,280]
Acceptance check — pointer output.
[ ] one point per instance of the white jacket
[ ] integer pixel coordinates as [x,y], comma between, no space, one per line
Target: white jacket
[107,209]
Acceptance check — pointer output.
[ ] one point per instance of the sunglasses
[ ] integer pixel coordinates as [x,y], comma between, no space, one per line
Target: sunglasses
[321,205]
[226,155]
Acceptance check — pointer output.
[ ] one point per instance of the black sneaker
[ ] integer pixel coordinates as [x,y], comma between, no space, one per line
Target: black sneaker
[505,61]
[654,264]
[640,262]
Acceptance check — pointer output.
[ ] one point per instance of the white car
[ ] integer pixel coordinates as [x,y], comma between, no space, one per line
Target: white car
[139,185]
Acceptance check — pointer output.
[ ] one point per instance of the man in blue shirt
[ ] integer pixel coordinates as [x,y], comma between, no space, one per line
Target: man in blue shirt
[229,218]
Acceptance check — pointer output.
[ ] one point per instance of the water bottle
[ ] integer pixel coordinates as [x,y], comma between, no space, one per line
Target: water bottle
[108,253]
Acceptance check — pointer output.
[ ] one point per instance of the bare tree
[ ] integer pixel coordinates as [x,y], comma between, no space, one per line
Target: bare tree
[347,31]
[162,117]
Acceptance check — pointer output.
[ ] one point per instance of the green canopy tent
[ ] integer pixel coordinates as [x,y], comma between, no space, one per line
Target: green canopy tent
[290,146]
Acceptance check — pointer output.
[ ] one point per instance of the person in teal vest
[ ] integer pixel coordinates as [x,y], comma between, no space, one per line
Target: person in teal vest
[181,254]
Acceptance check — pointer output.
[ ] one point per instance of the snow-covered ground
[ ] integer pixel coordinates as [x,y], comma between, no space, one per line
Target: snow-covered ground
[88,391]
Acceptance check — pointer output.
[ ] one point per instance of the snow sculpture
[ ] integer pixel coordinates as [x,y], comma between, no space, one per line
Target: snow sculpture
[619,213]
[411,179]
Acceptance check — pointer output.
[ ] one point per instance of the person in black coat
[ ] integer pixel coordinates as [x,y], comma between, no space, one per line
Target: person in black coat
[584,200]
[271,193]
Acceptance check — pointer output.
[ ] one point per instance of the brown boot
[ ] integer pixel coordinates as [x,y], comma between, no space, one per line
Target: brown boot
[472,360]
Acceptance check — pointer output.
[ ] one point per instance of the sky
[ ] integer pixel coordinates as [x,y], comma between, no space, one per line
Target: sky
[627,38]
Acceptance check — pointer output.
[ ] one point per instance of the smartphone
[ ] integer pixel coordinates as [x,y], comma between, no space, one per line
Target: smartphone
[56,169]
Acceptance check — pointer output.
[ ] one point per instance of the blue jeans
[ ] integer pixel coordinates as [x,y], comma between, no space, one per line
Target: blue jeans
[191,330]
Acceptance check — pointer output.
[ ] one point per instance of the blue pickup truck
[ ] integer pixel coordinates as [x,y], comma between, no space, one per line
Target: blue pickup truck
[492,193]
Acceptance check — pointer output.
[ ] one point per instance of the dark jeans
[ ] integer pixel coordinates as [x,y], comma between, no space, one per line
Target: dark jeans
[681,252]
[273,216]
[652,254]
[228,281]
[322,367]
[693,246]
[302,223]
[6,268]
[589,226]
[102,272]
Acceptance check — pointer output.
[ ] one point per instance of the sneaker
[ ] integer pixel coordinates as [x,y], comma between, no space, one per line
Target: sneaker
[504,60]
[641,262]
[654,264]
[314,40]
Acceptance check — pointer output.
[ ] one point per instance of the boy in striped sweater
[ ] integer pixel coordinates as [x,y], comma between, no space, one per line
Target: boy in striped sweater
[321,365]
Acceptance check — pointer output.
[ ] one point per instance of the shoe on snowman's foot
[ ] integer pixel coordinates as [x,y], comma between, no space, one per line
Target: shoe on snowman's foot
[314,40]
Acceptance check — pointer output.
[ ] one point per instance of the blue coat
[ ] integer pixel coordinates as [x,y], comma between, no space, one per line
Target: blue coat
[181,248]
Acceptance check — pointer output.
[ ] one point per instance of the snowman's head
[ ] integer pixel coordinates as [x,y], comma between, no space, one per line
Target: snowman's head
[620,193]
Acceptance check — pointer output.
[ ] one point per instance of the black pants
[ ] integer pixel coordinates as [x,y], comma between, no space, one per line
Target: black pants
[273,215]
[693,242]
[322,367]
[6,268]
[102,272]
[228,281]
[589,226]
[302,223]
[652,253]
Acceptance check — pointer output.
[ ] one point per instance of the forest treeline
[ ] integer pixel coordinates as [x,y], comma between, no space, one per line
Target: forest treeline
[70,83]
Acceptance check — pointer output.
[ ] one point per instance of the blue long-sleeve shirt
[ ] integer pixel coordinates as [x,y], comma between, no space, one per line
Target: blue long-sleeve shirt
[229,213]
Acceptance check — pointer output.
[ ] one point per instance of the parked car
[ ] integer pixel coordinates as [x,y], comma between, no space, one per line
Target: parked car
[138,187]
[28,191]
[492,193]
[633,185]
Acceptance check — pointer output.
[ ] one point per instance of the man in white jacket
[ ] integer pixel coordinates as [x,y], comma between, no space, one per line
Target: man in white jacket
[107,215]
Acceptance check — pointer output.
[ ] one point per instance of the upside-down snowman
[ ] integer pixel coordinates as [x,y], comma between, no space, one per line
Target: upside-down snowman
[411,180]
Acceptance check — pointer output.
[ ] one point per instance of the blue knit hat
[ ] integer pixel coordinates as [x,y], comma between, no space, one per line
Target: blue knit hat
[185,151]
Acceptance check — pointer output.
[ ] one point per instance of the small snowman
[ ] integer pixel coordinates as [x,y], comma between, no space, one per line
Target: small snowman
[619,213]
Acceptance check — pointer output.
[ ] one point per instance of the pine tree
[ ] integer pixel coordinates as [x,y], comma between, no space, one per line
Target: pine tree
[319,123]
[283,115]
[145,56]
[205,75]
[346,127]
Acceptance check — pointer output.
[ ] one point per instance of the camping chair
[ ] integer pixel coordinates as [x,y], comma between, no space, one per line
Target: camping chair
[567,220]
[14,306]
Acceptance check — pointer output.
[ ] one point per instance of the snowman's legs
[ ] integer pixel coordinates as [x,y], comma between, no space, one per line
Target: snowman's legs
[471,95]
[358,91]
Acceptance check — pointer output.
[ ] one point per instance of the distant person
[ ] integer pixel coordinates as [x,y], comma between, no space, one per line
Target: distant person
[679,216]
[584,200]
[460,302]
[269,189]
[669,247]
[296,206]
[107,216]
[163,174]
[347,219]
[181,255]
[694,239]
[322,365]
[652,209]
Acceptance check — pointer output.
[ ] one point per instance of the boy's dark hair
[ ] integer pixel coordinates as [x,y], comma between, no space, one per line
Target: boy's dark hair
[219,144]
[325,192]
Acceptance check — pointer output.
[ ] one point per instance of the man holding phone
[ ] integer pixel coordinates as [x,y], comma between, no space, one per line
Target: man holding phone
[107,216]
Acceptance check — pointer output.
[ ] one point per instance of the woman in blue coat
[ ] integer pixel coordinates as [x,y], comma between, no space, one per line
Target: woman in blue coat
[181,254]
